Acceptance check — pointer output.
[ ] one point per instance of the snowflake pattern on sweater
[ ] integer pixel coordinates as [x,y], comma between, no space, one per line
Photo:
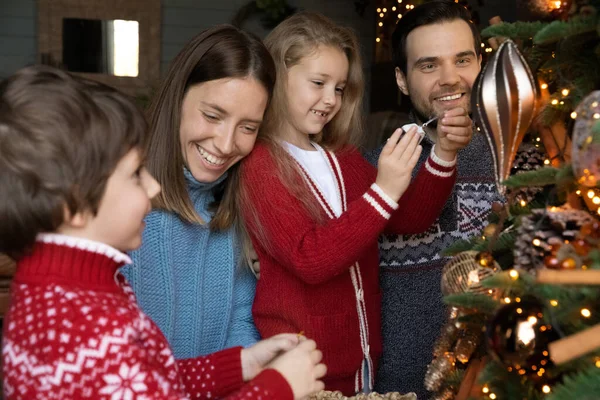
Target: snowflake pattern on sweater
[74,331]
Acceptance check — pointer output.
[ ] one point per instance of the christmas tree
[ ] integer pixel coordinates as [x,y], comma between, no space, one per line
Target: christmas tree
[524,295]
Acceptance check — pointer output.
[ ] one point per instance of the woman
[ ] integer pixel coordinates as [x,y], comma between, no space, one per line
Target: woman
[204,119]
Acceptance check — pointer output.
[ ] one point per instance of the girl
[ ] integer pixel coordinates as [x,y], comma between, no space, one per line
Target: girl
[204,119]
[314,208]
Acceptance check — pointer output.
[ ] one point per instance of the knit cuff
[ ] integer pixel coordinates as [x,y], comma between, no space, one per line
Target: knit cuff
[273,384]
[228,372]
[439,167]
[380,201]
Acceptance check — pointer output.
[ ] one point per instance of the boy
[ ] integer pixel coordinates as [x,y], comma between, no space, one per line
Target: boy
[75,194]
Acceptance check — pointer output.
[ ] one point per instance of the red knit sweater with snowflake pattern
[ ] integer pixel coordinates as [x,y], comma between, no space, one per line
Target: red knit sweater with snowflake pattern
[324,279]
[74,331]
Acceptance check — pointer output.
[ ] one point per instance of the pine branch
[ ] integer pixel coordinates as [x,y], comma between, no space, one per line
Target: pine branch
[549,115]
[480,302]
[582,386]
[454,379]
[541,177]
[505,282]
[558,30]
[517,30]
[460,246]
[538,55]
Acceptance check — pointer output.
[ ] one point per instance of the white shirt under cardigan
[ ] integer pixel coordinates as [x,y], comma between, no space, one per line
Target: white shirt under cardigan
[316,166]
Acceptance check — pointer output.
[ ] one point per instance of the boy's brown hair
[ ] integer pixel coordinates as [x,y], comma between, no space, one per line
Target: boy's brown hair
[61,138]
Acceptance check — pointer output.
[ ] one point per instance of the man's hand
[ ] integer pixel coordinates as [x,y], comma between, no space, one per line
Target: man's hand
[454,131]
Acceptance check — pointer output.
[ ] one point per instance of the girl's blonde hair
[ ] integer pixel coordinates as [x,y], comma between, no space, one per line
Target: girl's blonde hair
[297,37]
[300,36]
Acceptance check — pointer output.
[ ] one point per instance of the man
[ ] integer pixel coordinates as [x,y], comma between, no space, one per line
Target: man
[436,52]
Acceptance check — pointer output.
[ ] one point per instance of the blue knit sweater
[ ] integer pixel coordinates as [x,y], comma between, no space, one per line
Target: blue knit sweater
[189,280]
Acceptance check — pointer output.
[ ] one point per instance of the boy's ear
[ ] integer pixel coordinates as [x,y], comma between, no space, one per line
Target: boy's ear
[77,220]
[401,81]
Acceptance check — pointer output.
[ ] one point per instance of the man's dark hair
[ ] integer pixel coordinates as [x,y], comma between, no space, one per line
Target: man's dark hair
[433,12]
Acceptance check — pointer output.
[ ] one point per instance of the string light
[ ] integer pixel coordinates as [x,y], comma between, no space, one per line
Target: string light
[544,86]
[378,40]
[507,300]
[546,162]
[538,139]
[586,313]
[399,16]
[596,200]
[381,24]
[554,102]
[546,389]
[597,362]
[564,92]
[536,242]
[573,115]
[381,15]
[578,192]
[485,389]
[523,203]
[385,10]
[514,275]
[492,396]
[590,194]
[394,8]
[596,115]
[553,303]
[379,10]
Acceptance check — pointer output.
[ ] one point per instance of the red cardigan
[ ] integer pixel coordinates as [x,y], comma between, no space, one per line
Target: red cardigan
[73,330]
[324,279]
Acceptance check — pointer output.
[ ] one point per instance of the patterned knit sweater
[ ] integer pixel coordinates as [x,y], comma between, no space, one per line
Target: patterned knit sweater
[189,280]
[74,330]
[323,279]
[411,266]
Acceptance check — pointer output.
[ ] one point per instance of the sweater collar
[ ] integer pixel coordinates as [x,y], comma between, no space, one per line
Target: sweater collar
[71,261]
[194,184]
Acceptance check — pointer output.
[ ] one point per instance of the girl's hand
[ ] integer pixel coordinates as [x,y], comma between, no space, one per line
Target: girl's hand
[397,161]
[256,357]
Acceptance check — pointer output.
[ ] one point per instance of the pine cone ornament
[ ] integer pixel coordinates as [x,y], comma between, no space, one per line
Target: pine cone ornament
[446,339]
[466,344]
[529,158]
[544,230]
[447,394]
[438,370]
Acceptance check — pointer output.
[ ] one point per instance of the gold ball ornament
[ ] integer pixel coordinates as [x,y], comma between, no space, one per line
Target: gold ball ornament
[464,273]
